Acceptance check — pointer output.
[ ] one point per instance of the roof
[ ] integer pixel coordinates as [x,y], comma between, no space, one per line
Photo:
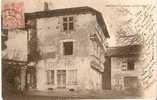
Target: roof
[128,50]
[69,11]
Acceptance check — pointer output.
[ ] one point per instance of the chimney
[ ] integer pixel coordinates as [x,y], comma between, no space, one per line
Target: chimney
[46,6]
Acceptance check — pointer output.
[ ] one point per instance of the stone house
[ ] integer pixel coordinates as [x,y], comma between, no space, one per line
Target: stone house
[125,67]
[66,49]
[14,59]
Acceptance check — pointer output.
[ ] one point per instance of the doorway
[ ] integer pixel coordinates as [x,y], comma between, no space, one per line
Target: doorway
[131,82]
[31,78]
[61,78]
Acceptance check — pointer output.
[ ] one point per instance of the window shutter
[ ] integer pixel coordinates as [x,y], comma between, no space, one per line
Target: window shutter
[60,22]
[75,22]
[50,77]
[72,76]
[124,64]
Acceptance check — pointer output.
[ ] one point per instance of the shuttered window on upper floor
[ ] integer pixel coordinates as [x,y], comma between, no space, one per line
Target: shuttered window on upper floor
[68,48]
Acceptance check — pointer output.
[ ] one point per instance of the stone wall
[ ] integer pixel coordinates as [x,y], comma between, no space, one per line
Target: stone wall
[50,41]
[118,74]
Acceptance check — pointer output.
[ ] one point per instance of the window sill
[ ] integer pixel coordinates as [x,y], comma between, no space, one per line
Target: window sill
[68,31]
[50,84]
[68,56]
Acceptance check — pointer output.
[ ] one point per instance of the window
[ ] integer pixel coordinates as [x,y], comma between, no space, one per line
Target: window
[50,77]
[130,65]
[72,77]
[68,48]
[68,23]
[127,64]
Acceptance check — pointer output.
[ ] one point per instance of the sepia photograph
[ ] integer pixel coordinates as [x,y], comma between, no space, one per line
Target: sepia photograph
[78,49]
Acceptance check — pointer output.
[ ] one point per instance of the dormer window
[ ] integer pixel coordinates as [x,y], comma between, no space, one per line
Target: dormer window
[68,23]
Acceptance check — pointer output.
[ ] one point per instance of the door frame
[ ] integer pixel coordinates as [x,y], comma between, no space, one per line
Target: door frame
[62,78]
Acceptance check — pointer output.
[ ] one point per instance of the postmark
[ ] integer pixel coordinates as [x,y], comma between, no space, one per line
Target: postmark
[13,16]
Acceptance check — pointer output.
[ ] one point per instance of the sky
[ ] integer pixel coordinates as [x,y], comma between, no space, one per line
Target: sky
[111,17]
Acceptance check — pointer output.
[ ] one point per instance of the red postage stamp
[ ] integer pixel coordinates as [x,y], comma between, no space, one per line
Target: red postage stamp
[13,16]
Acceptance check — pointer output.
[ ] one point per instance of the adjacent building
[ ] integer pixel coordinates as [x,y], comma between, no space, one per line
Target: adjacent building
[66,49]
[14,59]
[125,67]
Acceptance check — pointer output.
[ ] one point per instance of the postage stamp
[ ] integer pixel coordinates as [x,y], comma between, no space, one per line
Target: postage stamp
[13,16]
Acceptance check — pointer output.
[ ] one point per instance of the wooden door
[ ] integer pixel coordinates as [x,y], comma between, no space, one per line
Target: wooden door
[61,78]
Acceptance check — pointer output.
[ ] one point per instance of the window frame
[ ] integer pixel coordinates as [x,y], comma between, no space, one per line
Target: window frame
[72,51]
[67,23]
[130,65]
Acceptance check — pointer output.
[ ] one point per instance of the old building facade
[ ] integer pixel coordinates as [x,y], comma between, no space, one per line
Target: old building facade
[66,49]
[14,60]
[125,68]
